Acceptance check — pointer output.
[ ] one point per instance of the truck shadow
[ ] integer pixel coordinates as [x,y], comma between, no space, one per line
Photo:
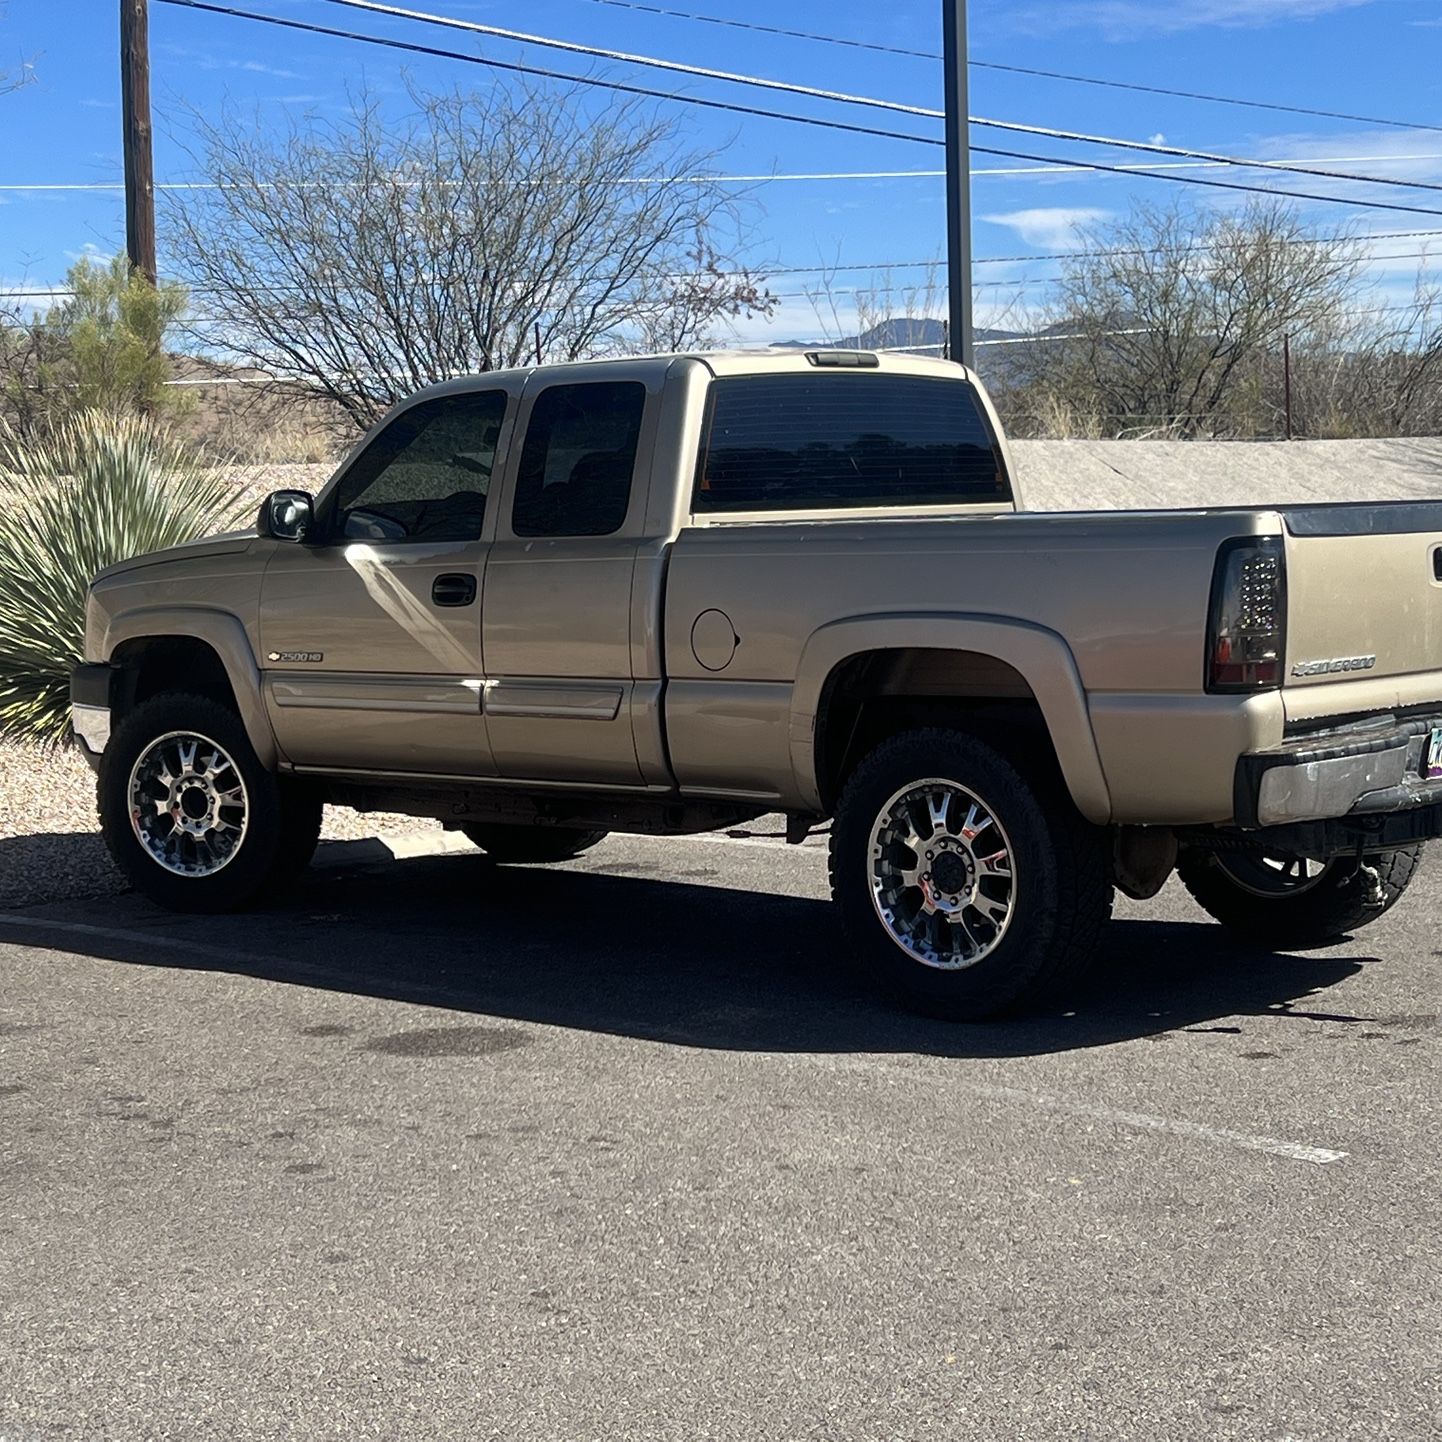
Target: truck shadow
[671,961]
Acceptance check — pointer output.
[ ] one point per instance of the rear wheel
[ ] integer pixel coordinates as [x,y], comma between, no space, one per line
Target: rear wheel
[533,844]
[1290,901]
[965,887]
[189,814]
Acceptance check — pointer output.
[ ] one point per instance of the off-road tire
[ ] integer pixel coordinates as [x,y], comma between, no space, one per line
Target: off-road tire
[531,845]
[1343,901]
[301,813]
[1062,893]
[283,820]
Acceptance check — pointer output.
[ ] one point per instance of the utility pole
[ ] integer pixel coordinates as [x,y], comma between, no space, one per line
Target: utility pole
[958,181]
[135,107]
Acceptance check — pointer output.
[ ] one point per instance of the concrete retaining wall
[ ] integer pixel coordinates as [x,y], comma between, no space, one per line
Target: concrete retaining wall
[1121,475]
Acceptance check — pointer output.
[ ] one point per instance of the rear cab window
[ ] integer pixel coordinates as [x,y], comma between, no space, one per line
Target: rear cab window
[846,441]
[579,458]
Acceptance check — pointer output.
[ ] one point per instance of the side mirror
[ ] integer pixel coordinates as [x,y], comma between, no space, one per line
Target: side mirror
[286,516]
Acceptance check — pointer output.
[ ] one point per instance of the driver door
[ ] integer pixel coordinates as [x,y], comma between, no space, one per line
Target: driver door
[371,631]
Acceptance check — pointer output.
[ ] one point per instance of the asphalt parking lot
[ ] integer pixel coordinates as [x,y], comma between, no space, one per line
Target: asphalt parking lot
[621,1150]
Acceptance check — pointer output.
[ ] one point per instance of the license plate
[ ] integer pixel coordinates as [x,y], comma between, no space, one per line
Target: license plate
[1433,769]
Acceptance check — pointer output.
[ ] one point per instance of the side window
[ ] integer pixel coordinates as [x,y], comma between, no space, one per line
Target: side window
[574,478]
[426,476]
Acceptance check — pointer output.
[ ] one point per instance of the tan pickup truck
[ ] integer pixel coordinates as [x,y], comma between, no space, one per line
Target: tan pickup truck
[667,595]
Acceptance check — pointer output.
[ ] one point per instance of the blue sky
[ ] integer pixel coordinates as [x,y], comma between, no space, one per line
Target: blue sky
[1376,57]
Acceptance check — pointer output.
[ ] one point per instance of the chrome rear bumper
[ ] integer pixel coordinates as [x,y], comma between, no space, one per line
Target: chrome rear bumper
[1368,770]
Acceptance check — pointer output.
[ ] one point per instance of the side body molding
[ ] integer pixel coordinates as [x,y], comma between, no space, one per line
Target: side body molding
[1042,657]
[225,635]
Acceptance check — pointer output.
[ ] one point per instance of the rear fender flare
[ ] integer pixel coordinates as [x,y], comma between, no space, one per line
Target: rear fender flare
[1041,657]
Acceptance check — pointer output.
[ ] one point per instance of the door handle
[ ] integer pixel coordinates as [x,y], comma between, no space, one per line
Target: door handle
[453,589]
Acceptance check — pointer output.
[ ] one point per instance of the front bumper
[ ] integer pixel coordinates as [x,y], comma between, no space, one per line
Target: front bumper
[1364,772]
[90,709]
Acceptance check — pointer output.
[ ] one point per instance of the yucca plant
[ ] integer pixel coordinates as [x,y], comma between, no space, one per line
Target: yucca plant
[101,489]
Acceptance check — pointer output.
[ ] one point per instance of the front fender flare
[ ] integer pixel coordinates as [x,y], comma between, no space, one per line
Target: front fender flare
[1042,657]
[225,635]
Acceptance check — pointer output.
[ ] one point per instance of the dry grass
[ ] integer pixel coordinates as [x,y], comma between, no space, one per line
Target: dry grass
[232,415]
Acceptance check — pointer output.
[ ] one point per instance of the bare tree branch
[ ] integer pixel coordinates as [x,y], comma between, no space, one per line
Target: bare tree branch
[1175,311]
[362,259]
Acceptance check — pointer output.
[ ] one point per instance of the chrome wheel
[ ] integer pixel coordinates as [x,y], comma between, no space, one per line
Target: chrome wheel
[188,804]
[1272,876]
[942,878]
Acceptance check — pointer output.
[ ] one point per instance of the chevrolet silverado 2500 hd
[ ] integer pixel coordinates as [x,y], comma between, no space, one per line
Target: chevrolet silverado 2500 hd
[670,594]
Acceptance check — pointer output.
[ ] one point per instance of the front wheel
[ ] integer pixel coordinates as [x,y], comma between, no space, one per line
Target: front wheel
[1290,901]
[965,887]
[189,814]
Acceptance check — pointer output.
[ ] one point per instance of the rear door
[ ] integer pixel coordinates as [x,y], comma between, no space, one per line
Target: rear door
[371,634]
[557,618]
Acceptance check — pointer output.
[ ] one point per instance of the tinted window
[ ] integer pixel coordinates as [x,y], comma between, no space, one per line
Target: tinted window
[798,442]
[575,473]
[425,477]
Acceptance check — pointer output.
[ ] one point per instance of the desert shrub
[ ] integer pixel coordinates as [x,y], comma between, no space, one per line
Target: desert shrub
[99,490]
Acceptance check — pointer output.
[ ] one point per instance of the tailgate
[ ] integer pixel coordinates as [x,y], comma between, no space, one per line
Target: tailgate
[1364,608]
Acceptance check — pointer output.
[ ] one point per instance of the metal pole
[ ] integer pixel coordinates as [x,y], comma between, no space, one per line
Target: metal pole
[135,120]
[958,181]
[1287,379]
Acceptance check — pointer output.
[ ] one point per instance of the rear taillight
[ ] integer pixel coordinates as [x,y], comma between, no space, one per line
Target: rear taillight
[1247,628]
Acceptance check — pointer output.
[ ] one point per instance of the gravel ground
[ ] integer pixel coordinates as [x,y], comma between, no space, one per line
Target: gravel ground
[50,846]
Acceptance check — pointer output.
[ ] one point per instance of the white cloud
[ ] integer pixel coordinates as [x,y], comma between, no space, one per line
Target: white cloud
[31,298]
[208,60]
[1049,227]
[1127,19]
[794,320]
[1158,139]
[1386,154]
[259,69]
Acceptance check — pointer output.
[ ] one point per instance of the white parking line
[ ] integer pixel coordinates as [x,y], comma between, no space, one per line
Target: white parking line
[1145,1121]
[119,933]
[812,843]
[437,996]
[296,973]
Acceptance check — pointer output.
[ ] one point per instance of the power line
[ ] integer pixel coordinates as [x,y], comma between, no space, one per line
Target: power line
[767,272]
[626,57]
[512,66]
[759,177]
[416,49]
[378,7]
[1161,250]
[1211,157]
[1210,184]
[773,30]
[1021,69]
[1209,99]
